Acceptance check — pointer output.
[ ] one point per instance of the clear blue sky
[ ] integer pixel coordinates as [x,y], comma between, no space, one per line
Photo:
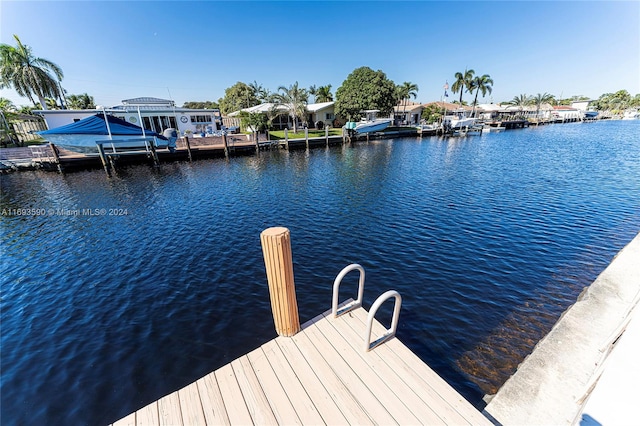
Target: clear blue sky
[193,51]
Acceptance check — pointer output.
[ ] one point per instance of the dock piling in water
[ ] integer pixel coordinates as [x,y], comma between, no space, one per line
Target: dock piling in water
[276,248]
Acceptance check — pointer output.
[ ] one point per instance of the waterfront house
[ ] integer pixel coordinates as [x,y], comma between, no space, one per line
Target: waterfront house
[323,111]
[154,113]
[407,113]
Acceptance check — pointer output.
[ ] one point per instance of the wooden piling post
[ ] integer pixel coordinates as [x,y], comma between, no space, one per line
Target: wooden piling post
[56,156]
[257,141]
[186,139]
[276,249]
[326,134]
[103,157]
[226,145]
[154,153]
[286,138]
[306,136]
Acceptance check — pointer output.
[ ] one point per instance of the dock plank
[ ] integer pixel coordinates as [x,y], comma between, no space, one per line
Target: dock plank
[394,351]
[169,413]
[254,396]
[282,408]
[322,375]
[212,403]
[370,391]
[316,389]
[232,396]
[148,415]
[190,405]
[299,397]
[406,405]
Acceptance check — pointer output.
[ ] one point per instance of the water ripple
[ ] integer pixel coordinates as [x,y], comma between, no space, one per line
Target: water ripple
[489,239]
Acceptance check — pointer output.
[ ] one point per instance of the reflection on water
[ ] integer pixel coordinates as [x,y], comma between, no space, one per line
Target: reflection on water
[488,238]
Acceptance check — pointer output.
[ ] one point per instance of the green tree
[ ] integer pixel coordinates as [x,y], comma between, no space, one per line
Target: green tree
[27,74]
[254,121]
[463,81]
[294,100]
[6,105]
[365,89]
[520,101]
[82,101]
[483,84]
[262,94]
[51,103]
[200,105]
[431,113]
[237,97]
[406,91]
[313,91]
[323,94]
[540,99]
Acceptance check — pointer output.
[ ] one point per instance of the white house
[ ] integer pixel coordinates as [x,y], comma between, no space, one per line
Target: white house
[407,113]
[323,111]
[155,114]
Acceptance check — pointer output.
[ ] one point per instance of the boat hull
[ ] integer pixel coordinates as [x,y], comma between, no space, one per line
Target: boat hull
[86,144]
[369,126]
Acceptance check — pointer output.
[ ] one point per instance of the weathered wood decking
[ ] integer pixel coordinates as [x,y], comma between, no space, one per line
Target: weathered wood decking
[319,376]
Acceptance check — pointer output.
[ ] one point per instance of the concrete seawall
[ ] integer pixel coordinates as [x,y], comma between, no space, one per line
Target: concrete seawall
[553,384]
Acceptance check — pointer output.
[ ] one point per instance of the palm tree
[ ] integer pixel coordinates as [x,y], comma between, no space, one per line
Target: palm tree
[83,101]
[520,101]
[313,91]
[259,91]
[463,81]
[323,94]
[406,91]
[28,75]
[51,103]
[482,84]
[539,99]
[294,99]
[6,105]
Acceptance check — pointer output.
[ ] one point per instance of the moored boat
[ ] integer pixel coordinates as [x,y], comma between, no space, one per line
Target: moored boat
[369,123]
[82,135]
[458,121]
[631,114]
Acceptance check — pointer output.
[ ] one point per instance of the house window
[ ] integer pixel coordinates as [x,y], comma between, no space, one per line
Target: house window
[201,119]
[328,116]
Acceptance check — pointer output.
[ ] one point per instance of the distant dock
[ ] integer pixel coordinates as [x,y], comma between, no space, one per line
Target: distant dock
[325,372]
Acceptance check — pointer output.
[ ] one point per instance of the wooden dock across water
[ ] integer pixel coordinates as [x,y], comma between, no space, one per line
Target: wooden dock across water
[322,375]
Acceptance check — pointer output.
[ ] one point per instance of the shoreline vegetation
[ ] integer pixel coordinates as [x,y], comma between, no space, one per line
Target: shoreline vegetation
[363,89]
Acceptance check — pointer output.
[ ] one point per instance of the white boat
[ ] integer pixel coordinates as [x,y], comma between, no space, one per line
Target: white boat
[458,121]
[369,123]
[631,114]
[82,135]
[428,128]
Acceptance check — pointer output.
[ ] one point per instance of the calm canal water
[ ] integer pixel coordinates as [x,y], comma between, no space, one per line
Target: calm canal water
[488,238]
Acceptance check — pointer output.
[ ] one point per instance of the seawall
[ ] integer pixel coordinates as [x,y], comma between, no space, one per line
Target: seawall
[554,383]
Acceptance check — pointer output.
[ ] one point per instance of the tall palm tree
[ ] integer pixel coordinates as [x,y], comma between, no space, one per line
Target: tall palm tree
[407,90]
[83,101]
[6,105]
[29,75]
[313,91]
[323,94]
[294,99]
[259,91]
[463,81]
[482,84]
[520,101]
[539,99]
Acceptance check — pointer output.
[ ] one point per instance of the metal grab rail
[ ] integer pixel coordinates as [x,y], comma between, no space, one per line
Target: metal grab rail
[336,287]
[394,322]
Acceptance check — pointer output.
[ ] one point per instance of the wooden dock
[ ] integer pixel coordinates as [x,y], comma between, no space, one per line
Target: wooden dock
[321,375]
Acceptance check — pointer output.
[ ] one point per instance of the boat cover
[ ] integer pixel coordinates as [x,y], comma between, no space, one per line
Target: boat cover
[95,125]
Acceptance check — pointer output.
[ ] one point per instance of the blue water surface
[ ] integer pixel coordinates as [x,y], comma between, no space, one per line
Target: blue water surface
[117,291]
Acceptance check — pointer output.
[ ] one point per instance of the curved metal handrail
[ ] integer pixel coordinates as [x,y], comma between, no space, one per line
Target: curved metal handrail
[336,287]
[394,322]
